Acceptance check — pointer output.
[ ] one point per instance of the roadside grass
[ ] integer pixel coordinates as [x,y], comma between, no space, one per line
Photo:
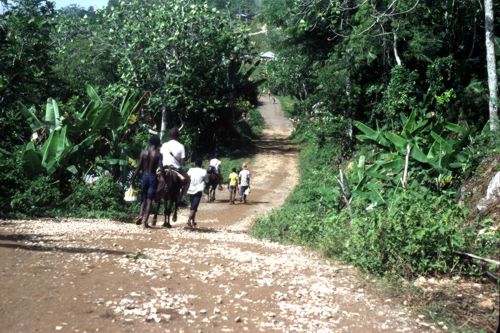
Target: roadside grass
[287,104]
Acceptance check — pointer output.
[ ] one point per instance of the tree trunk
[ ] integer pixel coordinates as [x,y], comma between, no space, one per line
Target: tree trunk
[163,128]
[491,65]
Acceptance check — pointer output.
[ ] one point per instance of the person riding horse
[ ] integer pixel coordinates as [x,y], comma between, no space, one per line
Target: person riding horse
[174,156]
[176,180]
[215,167]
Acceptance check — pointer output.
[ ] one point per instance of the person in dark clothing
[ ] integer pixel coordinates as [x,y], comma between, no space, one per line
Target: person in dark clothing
[149,160]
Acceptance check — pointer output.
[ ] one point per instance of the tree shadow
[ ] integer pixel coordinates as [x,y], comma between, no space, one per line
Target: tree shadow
[37,238]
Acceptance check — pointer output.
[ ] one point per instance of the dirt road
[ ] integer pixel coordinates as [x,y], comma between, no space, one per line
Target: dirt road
[106,276]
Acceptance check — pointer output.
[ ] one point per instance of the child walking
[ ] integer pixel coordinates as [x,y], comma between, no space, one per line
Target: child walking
[244,181]
[233,186]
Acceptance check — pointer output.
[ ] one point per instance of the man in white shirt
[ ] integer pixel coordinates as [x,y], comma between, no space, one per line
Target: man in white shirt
[173,151]
[174,155]
[216,164]
[195,191]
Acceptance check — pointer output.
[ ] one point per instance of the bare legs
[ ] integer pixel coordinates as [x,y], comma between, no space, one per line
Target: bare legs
[232,196]
[145,212]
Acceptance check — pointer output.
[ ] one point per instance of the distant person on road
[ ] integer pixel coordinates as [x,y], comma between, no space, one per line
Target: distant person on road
[233,186]
[195,191]
[174,156]
[244,182]
[271,97]
[149,161]
[215,167]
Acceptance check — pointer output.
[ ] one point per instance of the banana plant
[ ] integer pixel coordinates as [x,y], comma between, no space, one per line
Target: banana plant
[419,144]
[364,182]
[52,120]
[66,147]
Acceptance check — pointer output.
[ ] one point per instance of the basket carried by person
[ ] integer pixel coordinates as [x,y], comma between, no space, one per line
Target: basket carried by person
[130,195]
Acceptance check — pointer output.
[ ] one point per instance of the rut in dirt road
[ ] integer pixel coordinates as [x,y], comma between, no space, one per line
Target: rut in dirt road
[81,275]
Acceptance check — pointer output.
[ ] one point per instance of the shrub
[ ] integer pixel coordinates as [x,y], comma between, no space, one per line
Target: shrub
[12,181]
[38,198]
[104,196]
[416,234]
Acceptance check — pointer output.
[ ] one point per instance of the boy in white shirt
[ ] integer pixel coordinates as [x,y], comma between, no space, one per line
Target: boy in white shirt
[244,181]
[195,191]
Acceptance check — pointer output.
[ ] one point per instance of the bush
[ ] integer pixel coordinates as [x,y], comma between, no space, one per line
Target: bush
[415,232]
[12,180]
[103,198]
[38,198]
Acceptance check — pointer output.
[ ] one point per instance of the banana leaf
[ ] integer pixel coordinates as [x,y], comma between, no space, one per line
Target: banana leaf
[54,149]
[418,154]
[394,166]
[456,128]
[410,123]
[445,145]
[370,134]
[30,115]
[52,116]
[399,142]
[113,161]
[32,160]
[373,171]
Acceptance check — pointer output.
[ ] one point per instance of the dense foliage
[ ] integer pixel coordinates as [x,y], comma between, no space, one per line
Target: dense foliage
[80,89]
[391,105]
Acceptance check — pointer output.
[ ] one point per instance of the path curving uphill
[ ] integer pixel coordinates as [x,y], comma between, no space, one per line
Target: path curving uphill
[82,275]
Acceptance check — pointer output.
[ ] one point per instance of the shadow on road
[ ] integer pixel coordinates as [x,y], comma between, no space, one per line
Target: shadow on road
[6,241]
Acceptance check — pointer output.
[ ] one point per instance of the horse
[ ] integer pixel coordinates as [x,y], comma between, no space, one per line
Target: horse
[212,183]
[168,190]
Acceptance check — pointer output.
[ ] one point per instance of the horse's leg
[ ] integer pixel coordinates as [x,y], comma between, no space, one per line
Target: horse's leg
[155,212]
[166,214]
[175,204]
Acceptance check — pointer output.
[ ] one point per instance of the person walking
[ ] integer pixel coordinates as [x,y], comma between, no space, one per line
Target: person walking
[195,190]
[149,161]
[244,182]
[233,186]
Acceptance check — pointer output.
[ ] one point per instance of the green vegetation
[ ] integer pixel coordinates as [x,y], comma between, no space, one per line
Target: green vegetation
[80,90]
[390,128]
[390,105]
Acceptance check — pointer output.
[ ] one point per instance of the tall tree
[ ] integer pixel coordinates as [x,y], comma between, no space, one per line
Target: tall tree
[491,64]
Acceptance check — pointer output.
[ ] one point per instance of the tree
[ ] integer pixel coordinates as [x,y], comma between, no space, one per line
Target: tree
[491,64]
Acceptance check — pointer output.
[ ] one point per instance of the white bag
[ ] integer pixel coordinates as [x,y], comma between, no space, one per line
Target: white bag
[130,195]
[247,191]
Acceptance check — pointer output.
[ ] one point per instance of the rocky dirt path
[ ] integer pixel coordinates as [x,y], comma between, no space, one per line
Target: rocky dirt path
[105,276]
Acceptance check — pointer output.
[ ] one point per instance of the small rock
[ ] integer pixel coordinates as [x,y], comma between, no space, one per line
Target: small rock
[487,304]
[237,320]
[58,328]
